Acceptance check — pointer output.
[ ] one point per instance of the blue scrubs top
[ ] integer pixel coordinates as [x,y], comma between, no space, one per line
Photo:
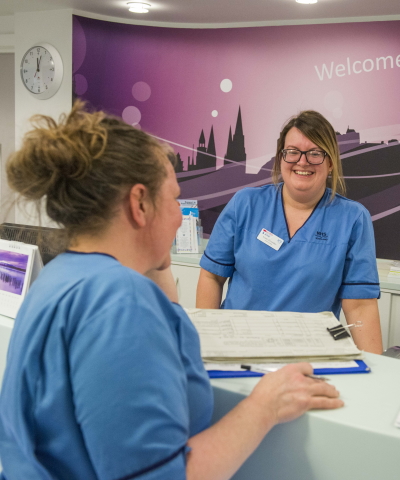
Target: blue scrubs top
[331,257]
[104,378]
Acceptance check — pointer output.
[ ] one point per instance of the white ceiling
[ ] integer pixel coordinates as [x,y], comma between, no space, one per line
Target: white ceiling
[218,11]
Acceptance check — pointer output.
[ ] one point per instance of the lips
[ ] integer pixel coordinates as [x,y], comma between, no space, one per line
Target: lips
[303,173]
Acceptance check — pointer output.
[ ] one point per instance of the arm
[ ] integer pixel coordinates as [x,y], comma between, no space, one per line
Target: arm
[279,397]
[209,290]
[368,337]
[165,280]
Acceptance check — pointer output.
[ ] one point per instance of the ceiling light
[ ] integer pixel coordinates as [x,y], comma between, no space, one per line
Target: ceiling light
[306,1]
[138,7]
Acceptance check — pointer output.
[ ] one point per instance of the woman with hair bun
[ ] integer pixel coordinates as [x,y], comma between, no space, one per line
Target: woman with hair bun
[297,245]
[104,378]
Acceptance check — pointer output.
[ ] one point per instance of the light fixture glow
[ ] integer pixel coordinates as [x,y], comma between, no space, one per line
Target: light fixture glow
[306,1]
[138,7]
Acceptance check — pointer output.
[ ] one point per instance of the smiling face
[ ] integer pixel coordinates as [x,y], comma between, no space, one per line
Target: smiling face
[304,183]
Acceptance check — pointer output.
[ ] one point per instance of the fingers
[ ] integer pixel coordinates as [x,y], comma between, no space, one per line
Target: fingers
[325,403]
[322,388]
[304,368]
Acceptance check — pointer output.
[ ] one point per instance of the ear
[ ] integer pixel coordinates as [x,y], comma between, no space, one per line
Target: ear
[140,205]
[330,165]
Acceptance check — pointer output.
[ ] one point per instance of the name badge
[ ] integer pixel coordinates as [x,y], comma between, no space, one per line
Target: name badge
[270,239]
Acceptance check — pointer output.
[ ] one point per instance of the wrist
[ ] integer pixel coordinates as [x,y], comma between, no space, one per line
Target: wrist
[263,407]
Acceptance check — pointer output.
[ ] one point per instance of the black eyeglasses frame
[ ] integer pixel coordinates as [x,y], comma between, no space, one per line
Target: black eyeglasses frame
[283,152]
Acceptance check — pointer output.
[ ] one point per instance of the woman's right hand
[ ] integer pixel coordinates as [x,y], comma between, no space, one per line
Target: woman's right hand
[287,393]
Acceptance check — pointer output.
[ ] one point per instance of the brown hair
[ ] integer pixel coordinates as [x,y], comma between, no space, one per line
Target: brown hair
[316,128]
[83,166]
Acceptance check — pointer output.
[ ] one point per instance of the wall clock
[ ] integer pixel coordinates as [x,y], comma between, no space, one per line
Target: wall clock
[42,70]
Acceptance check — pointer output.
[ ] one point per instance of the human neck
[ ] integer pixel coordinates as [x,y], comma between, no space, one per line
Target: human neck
[117,241]
[301,201]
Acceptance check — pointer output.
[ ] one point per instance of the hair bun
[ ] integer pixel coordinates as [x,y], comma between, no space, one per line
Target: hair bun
[54,153]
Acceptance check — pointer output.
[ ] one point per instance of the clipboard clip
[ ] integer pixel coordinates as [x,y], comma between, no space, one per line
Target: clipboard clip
[342,331]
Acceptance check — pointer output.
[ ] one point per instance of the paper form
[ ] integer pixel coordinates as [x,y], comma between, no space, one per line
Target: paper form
[237,334]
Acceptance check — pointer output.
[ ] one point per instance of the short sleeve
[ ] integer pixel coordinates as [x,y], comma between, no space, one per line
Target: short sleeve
[130,388]
[219,257]
[360,276]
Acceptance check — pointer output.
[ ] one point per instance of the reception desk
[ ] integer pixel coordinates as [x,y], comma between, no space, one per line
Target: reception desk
[356,442]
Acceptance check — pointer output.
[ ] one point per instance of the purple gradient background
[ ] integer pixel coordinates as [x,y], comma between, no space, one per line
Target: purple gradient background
[272,70]
[18,260]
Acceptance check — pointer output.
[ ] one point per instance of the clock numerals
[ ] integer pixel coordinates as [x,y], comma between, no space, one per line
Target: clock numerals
[41,70]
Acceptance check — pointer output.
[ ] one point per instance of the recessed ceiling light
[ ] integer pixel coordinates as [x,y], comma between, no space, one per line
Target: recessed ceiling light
[306,1]
[138,7]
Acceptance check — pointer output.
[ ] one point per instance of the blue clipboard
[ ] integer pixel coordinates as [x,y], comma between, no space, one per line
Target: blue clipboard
[362,367]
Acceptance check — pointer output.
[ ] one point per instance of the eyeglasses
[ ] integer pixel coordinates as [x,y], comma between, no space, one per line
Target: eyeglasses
[313,157]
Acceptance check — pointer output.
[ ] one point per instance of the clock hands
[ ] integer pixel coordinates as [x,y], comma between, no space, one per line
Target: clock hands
[38,65]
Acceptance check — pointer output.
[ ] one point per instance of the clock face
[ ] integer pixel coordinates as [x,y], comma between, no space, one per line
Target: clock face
[42,70]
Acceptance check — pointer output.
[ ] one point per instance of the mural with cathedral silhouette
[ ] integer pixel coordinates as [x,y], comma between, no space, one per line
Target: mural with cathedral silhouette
[219,97]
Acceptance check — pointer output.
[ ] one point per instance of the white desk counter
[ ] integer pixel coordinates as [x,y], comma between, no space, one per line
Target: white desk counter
[356,442]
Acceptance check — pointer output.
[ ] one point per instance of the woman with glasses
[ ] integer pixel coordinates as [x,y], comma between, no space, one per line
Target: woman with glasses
[104,378]
[297,245]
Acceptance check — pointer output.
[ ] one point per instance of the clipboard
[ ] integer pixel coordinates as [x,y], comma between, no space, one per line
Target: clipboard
[362,367]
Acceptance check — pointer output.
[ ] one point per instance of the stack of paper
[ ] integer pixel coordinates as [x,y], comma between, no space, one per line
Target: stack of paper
[394,271]
[239,336]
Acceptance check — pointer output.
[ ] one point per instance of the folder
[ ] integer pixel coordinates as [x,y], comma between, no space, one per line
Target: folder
[361,367]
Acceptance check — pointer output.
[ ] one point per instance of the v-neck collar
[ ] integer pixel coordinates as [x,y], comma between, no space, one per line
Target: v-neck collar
[284,214]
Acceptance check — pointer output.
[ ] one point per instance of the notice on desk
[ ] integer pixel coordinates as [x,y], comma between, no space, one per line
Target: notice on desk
[394,271]
[239,336]
[186,236]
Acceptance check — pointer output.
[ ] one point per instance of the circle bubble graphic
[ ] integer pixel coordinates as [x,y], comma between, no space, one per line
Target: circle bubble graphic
[80,84]
[333,100]
[214,113]
[131,115]
[226,85]
[141,91]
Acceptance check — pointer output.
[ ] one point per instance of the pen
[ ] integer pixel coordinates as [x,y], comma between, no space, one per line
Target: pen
[270,370]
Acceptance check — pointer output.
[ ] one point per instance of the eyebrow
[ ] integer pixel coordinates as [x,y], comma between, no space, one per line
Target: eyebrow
[297,148]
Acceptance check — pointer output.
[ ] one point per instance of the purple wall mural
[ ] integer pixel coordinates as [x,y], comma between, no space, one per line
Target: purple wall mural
[221,96]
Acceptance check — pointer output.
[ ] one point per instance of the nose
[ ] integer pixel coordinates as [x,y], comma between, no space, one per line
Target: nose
[302,160]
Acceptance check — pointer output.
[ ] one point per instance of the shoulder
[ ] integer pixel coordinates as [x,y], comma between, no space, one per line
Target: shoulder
[252,197]
[345,206]
[257,192]
[88,286]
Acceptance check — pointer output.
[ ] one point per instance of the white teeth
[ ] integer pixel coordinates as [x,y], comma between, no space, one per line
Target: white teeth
[297,172]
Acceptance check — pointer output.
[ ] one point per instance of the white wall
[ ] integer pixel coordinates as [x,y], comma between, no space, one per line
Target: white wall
[54,27]
[7,117]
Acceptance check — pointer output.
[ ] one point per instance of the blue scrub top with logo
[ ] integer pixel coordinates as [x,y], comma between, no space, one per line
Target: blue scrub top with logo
[104,378]
[331,257]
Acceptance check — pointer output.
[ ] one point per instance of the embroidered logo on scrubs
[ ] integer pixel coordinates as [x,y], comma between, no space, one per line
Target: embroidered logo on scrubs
[321,236]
